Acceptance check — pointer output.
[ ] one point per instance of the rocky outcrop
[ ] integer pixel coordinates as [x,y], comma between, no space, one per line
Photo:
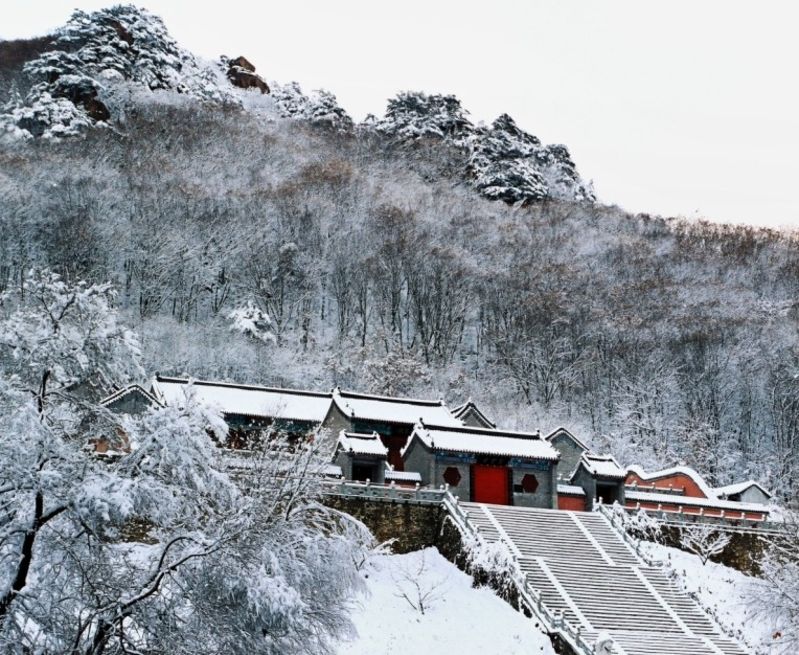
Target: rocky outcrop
[91,52]
[241,73]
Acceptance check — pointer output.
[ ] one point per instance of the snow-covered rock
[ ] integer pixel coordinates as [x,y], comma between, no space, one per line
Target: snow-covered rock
[93,50]
[241,73]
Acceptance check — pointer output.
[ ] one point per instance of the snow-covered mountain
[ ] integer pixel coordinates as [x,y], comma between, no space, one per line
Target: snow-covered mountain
[76,83]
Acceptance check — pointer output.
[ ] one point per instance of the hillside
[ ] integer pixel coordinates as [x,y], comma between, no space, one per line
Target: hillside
[416,252]
[420,602]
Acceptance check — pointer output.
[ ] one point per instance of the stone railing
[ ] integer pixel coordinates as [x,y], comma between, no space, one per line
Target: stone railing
[384,492]
[726,523]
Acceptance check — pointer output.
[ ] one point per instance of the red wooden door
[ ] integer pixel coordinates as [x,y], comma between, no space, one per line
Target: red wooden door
[490,484]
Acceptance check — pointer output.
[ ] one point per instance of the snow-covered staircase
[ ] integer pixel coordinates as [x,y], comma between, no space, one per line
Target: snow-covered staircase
[583,570]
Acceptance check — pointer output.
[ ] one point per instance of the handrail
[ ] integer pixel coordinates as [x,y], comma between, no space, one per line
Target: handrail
[633,541]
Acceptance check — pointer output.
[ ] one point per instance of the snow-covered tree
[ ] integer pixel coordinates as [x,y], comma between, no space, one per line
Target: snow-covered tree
[775,599]
[704,540]
[320,107]
[415,115]
[253,322]
[156,549]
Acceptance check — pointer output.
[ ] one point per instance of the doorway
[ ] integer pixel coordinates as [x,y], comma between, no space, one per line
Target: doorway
[490,484]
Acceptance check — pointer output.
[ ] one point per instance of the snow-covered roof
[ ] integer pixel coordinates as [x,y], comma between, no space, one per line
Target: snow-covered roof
[245,399]
[674,470]
[603,466]
[362,444]
[562,430]
[571,490]
[387,409]
[470,407]
[483,441]
[403,476]
[124,391]
[332,470]
[713,503]
[739,487]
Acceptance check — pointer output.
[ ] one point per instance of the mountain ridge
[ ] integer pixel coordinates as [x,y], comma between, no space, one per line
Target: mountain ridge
[74,80]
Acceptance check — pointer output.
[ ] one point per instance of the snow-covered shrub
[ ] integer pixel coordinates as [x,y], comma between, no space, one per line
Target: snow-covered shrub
[491,564]
[416,115]
[415,584]
[704,540]
[638,524]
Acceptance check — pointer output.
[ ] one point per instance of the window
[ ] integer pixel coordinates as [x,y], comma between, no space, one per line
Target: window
[452,476]
[529,483]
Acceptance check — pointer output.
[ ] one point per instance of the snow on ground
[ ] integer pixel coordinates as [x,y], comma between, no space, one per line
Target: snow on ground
[457,618]
[725,592]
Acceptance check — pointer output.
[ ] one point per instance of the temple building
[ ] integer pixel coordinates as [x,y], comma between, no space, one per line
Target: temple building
[410,442]
[249,409]
[391,418]
[485,465]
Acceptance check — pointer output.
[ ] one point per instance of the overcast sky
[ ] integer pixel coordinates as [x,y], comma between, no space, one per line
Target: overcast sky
[677,107]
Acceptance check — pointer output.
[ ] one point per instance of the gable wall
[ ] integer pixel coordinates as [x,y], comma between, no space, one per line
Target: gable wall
[677,480]
[570,454]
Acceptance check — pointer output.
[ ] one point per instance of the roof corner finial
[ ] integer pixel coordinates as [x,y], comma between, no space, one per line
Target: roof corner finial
[421,422]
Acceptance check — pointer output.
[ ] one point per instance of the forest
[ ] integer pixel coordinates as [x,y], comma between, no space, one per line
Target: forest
[380,268]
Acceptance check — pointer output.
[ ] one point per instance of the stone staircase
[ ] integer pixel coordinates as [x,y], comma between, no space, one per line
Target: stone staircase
[583,570]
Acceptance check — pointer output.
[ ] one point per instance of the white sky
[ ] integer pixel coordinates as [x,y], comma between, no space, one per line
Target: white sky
[677,107]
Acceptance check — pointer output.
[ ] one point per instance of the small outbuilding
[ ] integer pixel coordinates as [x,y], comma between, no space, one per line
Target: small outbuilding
[744,492]
[601,477]
[361,456]
[571,450]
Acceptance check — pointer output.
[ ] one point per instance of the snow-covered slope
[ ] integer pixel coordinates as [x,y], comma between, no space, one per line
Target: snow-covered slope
[457,618]
[727,593]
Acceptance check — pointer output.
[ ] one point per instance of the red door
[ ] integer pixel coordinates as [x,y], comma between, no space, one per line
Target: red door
[490,484]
